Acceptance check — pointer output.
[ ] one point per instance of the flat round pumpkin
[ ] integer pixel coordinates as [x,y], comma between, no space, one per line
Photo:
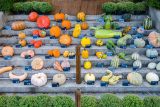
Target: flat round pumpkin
[7,51]
[55,31]
[37,63]
[65,40]
[66,24]
[43,22]
[154,39]
[59,78]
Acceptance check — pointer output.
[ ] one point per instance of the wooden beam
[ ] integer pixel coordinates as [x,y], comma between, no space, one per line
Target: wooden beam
[78,64]
[78,98]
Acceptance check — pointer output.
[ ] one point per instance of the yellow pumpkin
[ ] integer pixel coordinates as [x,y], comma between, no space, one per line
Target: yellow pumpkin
[66,54]
[85,54]
[85,41]
[22,42]
[21,35]
[81,16]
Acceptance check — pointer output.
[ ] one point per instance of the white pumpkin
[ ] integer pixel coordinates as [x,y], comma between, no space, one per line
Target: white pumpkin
[158,67]
[137,64]
[150,53]
[135,78]
[89,77]
[152,65]
[37,63]
[39,79]
[151,76]
[139,43]
[59,78]
[135,56]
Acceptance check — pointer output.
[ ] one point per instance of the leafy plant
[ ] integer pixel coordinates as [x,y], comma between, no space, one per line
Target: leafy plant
[6,6]
[141,7]
[27,7]
[129,7]
[132,101]
[13,101]
[28,101]
[3,101]
[88,101]
[154,3]
[109,7]
[45,7]
[110,100]
[18,7]
[152,101]
[43,101]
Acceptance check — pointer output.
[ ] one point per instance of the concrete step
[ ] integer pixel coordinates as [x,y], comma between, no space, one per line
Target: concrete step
[70,86]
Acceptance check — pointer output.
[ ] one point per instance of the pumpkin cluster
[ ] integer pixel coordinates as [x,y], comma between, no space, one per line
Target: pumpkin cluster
[55,53]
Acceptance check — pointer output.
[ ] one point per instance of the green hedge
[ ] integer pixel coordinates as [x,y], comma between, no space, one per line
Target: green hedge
[154,3]
[89,101]
[124,7]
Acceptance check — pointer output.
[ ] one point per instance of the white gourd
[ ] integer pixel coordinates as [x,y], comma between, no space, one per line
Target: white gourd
[137,64]
[115,62]
[151,76]
[152,65]
[89,77]
[151,53]
[139,43]
[158,67]
[39,79]
[135,56]
[135,78]
[59,78]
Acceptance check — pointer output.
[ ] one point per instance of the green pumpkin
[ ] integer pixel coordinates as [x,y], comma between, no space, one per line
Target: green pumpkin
[139,43]
[147,23]
[115,62]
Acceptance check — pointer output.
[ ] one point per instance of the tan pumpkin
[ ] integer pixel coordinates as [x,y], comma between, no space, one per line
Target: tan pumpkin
[18,25]
[59,78]
[154,39]
[84,26]
[66,24]
[37,63]
[7,51]
[55,31]
[65,40]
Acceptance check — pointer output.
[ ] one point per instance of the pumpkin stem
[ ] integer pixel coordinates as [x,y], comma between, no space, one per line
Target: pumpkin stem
[158,40]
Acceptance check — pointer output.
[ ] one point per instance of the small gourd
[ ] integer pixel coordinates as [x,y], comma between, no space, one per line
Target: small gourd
[152,65]
[139,43]
[84,25]
[57,66]
[151,53]
[65,64]
[39,79]
[99,42]
[18,25]
[66,24]
[65,40]
[147,23]
[21,35]
[137,64]
[151,76]
[123,41]
[135,56]
[158,67]
[59,16]
[7,51]
[89,77]
[115,62]
[85,41]
[85,54]
[66,54]
[154,39]
[55,31]
[81,16]
[37,63]
[59,78]
[87,65]
[135,78]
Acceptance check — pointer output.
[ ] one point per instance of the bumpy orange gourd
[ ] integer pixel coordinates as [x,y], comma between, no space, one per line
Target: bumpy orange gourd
[59,16]
[66,24]
[84,25]
[18,25]
[65,40]
[154,39]
[55,31]
[56,53]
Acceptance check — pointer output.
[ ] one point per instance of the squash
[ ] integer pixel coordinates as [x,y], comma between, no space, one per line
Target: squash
[65,54]
[89,77]
[139,43]
[5,69]
[140,30]
[154,39]
[20,77]
[55,31]
[151,65]
[108,75]
[99,42]
[56,53]
[65,64]
[31,53]
[76,31]
[158,67]
[135,78]
[66,24]
[42,33]
[123,41]
[39,79]
[151,76]
[85,54]
[87,65]
[59,16]
[22,42]
[43,22]
[137,64]
[151,53]
[18,25]
[81,16]
[115,62]
[7,51]
[135,56]
[21,35]
[114,79]
[84,26]
[59,78]
[65,39]
[37,63]
[33,16]
[57,66]
[147,23]
[85,41]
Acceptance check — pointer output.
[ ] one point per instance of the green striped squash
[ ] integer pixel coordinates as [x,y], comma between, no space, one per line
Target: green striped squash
[147,23]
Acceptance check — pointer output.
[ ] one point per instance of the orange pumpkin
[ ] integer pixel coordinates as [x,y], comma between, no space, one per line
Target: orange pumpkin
[66,24]
[59,16]
[84,25]
[50,52]
[56,53]
[154,39]
[55,31]
[65,40]
[22,42]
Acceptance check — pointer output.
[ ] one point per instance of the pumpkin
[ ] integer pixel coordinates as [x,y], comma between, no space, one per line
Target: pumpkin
[59,16]
[50,52]
[152,65]
[55,31]
[65,39]
[139,43]
[65,54]
[84,26]
[59,78]
[89,77]
[151,76]
[37,63]
[56,53]
[158,67]
[87,65]
[115,62]
[65,64]
[140,30]
[35,32]
[85,54]
[76,31]
[21,35]
[154,39]
[81,16]
[22,42]
[39,79]
[66,24]
[135,78]
[85,41]
[43,22]
[137,64]
[18,25]
[33,16]
[7,51]
[151,53]
[57,66]
[99,42]
[20,77]
[135,56]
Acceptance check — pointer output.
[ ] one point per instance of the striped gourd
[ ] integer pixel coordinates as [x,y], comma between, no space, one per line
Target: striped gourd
[115,62]
[137,64]
[147,23]
[135,56]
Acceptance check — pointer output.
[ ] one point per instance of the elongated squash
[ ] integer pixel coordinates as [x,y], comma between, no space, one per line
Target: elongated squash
[5,69]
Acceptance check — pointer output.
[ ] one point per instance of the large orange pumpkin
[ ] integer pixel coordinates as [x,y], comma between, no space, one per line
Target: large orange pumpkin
[59,16]
[154,39]
[33,16]
[43,22]
[84,25]
[66,24]
[55,31]
[65,40]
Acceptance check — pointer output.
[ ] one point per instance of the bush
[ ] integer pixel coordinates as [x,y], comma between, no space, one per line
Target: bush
[18,7]
[13,101]
[43,101]
[154,3]
[152,101]
[27,7]
[62,101]
[6,6]
[141,7]
[3,101]
[129,7]
[110,100]
[88,101]
[45,7]
[28,101]
[109,7]
[132,101]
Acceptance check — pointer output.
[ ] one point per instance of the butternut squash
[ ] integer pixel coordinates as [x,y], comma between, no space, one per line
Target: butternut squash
[5,69]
